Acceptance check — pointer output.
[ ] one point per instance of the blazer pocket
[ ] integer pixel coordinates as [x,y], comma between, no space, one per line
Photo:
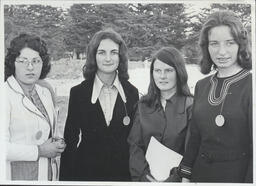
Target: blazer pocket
[181,122]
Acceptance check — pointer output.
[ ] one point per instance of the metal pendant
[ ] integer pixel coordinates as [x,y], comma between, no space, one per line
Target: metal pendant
[219,120]
[126,120]
[39,134]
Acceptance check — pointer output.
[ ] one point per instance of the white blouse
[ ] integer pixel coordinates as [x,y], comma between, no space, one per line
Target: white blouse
[107,96]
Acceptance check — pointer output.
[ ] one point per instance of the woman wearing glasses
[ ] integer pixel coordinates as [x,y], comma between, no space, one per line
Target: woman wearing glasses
[30,113]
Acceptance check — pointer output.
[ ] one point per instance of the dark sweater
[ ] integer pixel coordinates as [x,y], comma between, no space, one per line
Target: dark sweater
[228,147]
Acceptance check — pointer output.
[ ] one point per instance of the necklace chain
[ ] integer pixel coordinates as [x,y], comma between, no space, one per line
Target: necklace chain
[212,99]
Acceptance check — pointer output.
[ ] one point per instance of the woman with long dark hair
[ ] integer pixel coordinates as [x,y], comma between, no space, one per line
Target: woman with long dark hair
[101,109]
[164,112]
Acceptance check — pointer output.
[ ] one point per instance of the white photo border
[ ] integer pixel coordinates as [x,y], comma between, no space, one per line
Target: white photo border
[70,2]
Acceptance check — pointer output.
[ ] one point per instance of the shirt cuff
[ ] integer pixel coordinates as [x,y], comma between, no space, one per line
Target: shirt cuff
[185,171]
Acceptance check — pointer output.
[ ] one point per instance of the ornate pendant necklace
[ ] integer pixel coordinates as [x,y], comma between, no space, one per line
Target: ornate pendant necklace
[126,119]
[215,101]
[219,119]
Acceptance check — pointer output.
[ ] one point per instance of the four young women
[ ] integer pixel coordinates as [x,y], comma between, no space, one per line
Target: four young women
[106,140]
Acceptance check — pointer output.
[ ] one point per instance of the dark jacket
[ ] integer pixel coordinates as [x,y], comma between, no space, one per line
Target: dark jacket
[102,153]
[169,127]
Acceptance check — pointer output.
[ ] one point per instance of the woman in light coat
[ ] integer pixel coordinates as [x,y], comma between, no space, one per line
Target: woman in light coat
[30,112]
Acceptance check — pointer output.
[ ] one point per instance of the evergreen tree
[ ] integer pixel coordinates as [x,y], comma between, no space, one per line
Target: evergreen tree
[44,21]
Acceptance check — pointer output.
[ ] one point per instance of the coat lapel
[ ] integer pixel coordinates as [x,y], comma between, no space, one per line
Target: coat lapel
[119,111]
[95,109]
[101,116]
[46,102]
[31,107]
[12,82]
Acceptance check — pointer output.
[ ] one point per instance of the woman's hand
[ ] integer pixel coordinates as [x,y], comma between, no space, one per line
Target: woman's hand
[51,149]
[150,178]
[185,180]
[174,175]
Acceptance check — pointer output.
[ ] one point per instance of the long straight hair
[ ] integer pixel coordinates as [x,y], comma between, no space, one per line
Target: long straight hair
[171,56]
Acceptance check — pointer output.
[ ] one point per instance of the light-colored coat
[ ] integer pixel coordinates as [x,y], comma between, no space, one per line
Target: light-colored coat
[23,121]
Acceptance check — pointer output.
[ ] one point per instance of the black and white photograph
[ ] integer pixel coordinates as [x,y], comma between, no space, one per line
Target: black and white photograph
[127,92]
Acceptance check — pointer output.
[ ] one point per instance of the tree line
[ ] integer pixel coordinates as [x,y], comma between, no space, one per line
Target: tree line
[144,27]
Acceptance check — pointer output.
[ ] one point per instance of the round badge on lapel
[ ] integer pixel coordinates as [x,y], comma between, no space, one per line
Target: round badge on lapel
[39,134]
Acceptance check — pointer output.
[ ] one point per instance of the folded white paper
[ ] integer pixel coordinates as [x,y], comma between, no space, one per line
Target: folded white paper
[161,159]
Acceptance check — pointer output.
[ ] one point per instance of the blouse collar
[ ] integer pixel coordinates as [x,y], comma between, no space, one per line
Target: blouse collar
[13,83]
[98,84]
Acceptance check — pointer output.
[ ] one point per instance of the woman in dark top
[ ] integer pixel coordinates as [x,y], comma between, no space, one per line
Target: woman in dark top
[100,109]
[220,146]
[163,113]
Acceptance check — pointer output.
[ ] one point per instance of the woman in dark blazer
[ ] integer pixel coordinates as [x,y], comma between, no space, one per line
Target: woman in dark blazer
[99,114]
[220,146]
[163,113]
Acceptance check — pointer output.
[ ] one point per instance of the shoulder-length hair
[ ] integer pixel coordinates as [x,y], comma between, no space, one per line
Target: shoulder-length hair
[239,33]
[22,41]
[171,56]
[90,67]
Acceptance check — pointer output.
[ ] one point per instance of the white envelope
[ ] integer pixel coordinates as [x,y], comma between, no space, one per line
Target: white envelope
[161,159]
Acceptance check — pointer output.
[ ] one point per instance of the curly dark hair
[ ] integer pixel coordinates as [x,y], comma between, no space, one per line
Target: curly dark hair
[90,67]
[230,19]
[20,42]
[171,56]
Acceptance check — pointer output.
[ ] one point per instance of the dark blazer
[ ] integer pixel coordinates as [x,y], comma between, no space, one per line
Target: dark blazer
[102,154]
[169,127]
